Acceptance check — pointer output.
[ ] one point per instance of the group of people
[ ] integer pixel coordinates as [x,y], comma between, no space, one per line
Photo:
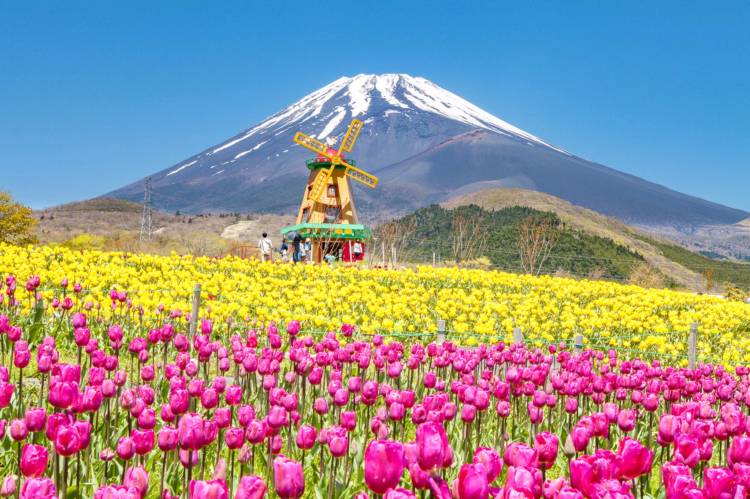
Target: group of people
[293,248]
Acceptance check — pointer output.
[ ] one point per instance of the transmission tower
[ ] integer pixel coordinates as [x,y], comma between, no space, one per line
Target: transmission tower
[147,209]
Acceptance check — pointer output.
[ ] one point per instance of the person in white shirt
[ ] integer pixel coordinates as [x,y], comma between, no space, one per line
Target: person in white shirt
[357,250]
[266,248]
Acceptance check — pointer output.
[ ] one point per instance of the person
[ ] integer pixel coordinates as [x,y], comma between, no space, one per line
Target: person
[296,241]
[284,251]
[266,248]
[357,250]
[308,250]
[302,252]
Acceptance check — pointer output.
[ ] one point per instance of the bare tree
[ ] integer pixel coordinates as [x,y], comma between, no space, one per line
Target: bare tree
[708,274]
[469,237]
[390,241]
[537,236]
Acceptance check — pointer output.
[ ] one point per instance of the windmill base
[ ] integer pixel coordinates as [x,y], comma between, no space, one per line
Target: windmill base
[331,241]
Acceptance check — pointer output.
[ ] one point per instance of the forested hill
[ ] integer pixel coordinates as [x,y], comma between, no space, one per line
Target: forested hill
[434,229]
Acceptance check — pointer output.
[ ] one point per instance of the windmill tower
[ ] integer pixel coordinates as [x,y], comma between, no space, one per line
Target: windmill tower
[327,214]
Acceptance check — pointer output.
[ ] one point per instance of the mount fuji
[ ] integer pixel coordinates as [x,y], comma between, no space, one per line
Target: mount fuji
[426,144]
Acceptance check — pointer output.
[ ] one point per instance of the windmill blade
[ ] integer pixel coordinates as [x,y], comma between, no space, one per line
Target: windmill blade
[320,182]
[312,144]
[351,136]
[360,175]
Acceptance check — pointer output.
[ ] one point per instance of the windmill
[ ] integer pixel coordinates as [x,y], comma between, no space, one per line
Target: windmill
[327,214]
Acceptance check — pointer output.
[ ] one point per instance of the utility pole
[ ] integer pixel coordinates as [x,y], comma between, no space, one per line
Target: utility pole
[147,210]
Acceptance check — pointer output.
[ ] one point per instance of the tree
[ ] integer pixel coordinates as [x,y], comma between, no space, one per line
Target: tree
[393,238]
[710,283]
[17,224]
[537,236]
[469,238]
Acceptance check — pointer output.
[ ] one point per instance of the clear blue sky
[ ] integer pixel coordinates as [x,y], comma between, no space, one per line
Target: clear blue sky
[95,95]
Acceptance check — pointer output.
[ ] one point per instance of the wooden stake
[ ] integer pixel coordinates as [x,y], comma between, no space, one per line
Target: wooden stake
[196,306]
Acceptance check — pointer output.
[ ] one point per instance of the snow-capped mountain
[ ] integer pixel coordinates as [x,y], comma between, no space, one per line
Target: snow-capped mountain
[426,143]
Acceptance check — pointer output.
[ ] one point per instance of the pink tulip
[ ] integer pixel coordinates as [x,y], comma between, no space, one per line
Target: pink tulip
[546,446]
[168,438]
[520,454]
[686,450]
[719,483]
[233,394]
[251,487]
[210,489]
[491,461]
[125,448]
[626,420]
[234,438]
[571,405]
[338,441]
[209,398]
[439,488]
[206,327]
[38,488]
[9,485]
[190,432]
[61,394]
[116,492]
[384,465]
[288,478]
[580,436]
[305,437]
[348,420]
[569,493]
[432,444]
[188,458]
[525,480]
[143,441]
[256,431]
[552,488]
[18,430]
[633,459]
[278,417]
[668,425]
[293,328]
[33,460]
[67,440]
[6,392]
[399,493]
[472,482]
[739,450]
[136,478]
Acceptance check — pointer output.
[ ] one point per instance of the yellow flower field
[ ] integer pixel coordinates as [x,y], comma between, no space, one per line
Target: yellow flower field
[474,303]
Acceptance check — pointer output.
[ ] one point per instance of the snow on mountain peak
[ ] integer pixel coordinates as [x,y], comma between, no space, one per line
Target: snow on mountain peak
[355,96]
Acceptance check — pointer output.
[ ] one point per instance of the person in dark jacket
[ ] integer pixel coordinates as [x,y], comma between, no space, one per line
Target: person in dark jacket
[296,241]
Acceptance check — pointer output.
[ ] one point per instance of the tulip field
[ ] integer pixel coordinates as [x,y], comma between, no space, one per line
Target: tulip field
[308,381]
[476,305]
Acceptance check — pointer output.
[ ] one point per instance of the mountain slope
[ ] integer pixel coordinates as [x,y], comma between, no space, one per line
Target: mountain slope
[576,252]
[442,172]
[588,221]
[426,143]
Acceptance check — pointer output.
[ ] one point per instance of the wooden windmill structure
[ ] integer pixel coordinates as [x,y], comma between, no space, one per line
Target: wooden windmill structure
[327,214]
